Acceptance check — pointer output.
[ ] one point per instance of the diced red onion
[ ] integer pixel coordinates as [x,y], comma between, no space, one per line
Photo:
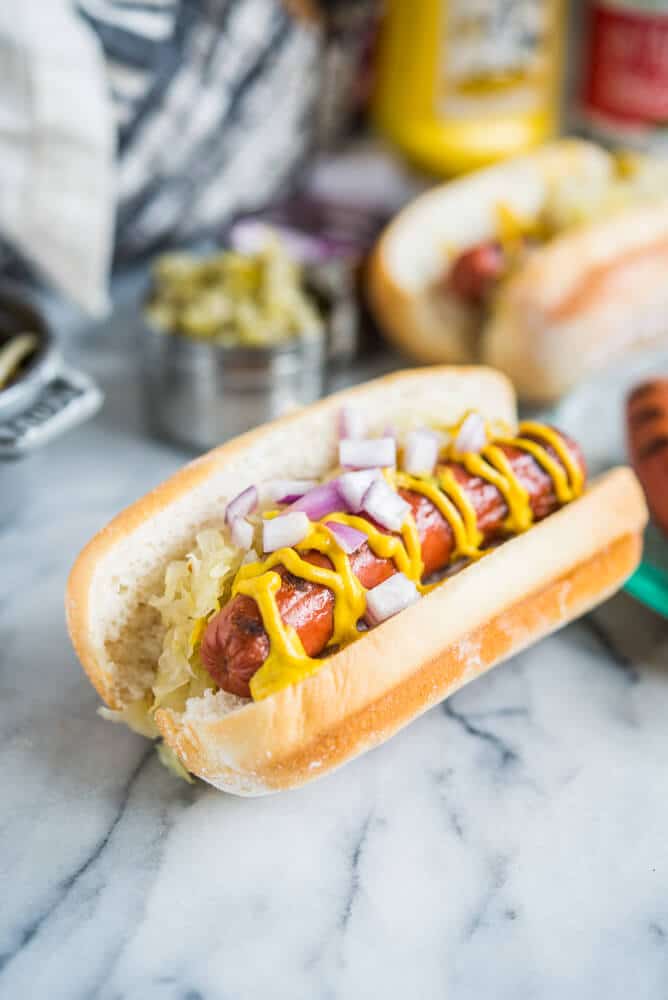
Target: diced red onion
[390,597]
[321,500]
[242,533]
[242,505]
[471,435]
[338,216]
[287,490]
[349,538]
[351,423]
[249,236]
[368,453]
[284,531]
[385,506]
[420,452]
[353,486]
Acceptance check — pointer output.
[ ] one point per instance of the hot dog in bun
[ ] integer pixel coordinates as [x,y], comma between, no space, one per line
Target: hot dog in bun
[297,595]
[546,266]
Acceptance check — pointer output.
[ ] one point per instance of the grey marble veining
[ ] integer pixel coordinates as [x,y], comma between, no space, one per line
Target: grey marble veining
[512,843]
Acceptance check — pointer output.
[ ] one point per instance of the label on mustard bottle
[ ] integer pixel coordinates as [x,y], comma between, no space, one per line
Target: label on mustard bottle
[496,56]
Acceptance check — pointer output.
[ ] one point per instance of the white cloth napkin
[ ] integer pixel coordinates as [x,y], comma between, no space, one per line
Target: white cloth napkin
[57,145]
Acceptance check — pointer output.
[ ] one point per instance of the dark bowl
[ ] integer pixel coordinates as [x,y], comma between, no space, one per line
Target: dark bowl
[18,315]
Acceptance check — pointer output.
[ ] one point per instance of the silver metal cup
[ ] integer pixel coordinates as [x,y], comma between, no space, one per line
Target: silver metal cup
[198,393]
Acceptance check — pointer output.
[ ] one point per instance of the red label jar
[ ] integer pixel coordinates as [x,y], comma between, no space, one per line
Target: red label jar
[624,94]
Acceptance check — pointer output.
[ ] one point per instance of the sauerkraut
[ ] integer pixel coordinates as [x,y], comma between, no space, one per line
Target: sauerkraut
[194,588]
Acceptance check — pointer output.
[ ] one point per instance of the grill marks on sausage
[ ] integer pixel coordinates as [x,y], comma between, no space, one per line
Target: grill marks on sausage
[295,581]
[647,417]
[644,389]
[644,416]
[235,644]
[654,447]
[249,626]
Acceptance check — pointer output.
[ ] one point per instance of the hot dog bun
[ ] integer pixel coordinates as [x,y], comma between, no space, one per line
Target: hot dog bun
[581,302]
[521,591]
[582,299]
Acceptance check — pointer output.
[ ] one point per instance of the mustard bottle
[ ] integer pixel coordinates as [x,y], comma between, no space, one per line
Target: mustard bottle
[462,83]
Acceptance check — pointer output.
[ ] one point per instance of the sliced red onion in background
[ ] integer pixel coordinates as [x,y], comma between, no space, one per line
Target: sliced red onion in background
[320,501]
[353,486]
[351,423]
[241,532]
[242,505]
[250,236]
[367,454]
[326,227]
[348,538]
[471,435]
[390,597]
[420,452]
[287,490]
[284,531]
[385,506]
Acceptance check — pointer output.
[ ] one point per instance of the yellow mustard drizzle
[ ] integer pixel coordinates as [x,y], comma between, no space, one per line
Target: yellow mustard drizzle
[453,505]
[563,452]
[492,464]
[287,662]
[405,548]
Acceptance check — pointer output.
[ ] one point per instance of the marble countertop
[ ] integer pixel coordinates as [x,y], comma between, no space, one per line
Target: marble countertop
[512,843]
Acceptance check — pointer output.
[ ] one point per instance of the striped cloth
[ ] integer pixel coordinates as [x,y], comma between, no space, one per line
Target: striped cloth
[214,104]
[127,126]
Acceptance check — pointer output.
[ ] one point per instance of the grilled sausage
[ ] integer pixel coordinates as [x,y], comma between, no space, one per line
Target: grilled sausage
[647,421]
[475,272]
[235,643]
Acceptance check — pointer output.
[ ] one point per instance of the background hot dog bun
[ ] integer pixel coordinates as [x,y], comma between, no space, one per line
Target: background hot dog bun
[584,298]
[409,266]
[582,301]
[523,590]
